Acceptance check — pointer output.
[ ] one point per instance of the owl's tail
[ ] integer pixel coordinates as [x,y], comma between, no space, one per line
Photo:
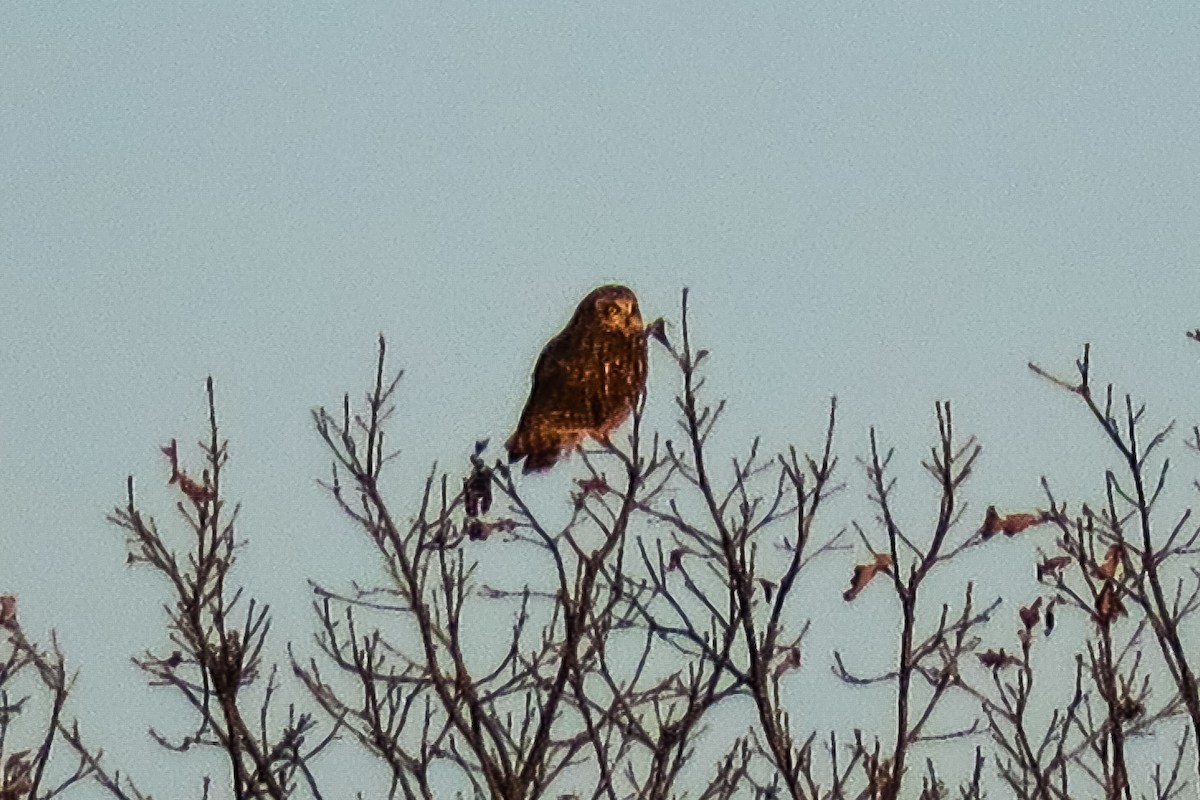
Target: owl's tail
[539,456]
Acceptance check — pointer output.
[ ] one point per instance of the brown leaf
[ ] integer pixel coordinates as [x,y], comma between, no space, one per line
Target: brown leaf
[792,661]
[658,329]
[991,523]
[1031,615]
[865,573]
[1052,566]
[480,530]
[1015,523]
[595,485]
[675,559]
[1108,606]
[8,610]
[1009,525]
[1112,561]
[1129,709]
[477,489]
[477,529]
[199,493]
[998,659]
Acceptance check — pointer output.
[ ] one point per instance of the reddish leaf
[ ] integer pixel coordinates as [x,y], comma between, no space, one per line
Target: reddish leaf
[658,329]
[1130,709]
[8,610]
[865,573]
[596,485]
[477,489]
[1052,566]
[1112,561]
[477,529]
[792,661]
[1031,615]
[998,659]
[1009,525]
[1108,606]
[991,523]
[1015,523]
[675,560]
[198,493]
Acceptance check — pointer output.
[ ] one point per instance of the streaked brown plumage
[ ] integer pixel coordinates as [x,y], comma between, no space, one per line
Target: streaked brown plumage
[586,381]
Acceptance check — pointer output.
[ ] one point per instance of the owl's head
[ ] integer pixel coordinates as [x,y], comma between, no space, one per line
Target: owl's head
[613,308]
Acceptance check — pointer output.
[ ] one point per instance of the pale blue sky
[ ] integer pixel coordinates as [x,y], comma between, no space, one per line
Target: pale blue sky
[893,203]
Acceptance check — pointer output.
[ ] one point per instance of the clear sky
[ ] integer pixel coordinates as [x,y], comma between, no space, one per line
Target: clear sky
[893,203]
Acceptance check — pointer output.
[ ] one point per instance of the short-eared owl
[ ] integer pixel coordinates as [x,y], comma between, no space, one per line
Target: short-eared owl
[587,380]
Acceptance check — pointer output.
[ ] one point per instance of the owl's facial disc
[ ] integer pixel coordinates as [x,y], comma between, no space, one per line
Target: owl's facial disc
[615,308]
[631,309]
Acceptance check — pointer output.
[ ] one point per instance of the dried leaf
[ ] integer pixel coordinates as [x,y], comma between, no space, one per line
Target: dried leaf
[477,529]
[658,329]
[998,659]
[1108,606]
[1112,561]
[790,662]
[8,610]
[198,492]
[865,573]
[1129,709]
[675,559]
[596,485]
[1015,523]
[991,523]
[1031,615]
[1009,525]
[1052,566]
[477,489]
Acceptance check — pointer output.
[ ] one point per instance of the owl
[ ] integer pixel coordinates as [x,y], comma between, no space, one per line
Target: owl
[587,380]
